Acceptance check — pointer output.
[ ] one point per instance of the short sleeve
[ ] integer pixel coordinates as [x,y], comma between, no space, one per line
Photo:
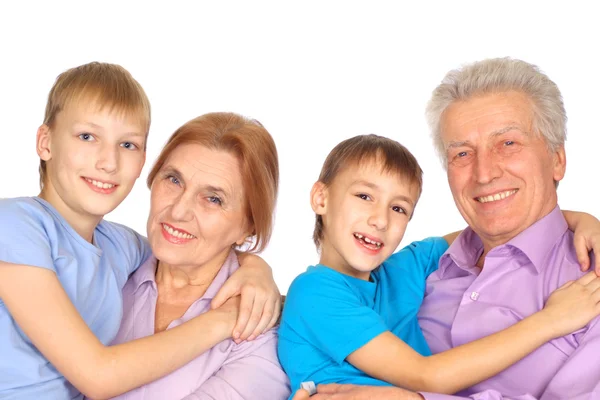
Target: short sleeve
[24,238]
[423,255]
[324,310]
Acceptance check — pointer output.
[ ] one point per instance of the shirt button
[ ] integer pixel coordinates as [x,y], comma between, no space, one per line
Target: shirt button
[474,296]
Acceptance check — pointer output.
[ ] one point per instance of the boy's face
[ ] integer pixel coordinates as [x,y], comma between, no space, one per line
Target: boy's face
[93,158]
[365,212]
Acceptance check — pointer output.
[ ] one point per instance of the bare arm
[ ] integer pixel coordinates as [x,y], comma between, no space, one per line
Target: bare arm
[38,303]
[451,237]
[568,309]
[587,237]
[261,301]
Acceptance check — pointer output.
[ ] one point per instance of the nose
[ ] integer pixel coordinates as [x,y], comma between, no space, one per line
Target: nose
[487,167]
[108,159]
[379,218]
[181,209]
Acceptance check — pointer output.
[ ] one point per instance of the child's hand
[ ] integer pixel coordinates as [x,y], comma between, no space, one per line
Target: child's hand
[587,238]
[228,313]
[260,299]
[573,305]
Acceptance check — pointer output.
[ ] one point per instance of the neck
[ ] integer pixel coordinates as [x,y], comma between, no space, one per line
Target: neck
[340,265]
[194,278]
[84,225]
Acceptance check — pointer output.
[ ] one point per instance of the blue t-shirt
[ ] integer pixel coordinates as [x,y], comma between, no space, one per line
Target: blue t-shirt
[329,315]
[33,233]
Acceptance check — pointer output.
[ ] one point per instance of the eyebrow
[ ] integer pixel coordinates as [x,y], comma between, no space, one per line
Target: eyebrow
[376,187]
[495,133]
[208,188]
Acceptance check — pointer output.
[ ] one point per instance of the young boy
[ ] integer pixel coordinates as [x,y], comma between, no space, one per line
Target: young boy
[63,267]
[352,318]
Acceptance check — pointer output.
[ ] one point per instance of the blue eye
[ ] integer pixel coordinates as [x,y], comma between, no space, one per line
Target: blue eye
[509,143]
[173,180]
[462,154]
[215,200]
[86,137]
[129,146]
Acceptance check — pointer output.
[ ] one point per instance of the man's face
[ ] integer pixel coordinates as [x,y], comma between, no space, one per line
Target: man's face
[501,173]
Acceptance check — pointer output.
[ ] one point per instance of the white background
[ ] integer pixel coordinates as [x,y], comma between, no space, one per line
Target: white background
[314,73]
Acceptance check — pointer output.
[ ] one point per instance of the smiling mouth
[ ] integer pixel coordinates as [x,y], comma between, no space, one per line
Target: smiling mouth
[368,243]
[496,197]
[100,184]
[178,234]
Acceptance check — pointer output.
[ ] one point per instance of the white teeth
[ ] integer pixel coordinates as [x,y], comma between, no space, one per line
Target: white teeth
[100,184]
[496,197]
[176,233]
[367,240]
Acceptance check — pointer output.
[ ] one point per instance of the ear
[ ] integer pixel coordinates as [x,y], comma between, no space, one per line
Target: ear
[43,143]
[318,198]
[246,235]
[559,164]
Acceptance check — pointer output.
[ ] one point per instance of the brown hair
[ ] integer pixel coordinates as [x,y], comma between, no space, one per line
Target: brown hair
[248,140]
[393,157]
[101,84]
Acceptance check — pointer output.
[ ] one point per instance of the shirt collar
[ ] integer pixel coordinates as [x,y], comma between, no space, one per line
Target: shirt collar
[535,242]
[146,273]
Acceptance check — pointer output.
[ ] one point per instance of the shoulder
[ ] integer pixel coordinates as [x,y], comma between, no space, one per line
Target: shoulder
[23,209]
[314,280]
[419,252]
[124,241]
[119,232]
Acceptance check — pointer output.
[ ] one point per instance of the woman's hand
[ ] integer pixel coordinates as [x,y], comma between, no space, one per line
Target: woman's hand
[573,305]
[260,304]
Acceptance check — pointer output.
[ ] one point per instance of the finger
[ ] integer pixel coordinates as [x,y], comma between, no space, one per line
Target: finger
[587,278]
[301,394]
[246,303]
[258,307]
[276,314]
[265,319]
[593,285]
[596,257]
[582,252]
[227,291]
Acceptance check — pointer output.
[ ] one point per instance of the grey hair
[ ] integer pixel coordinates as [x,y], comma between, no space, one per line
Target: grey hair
[500,75]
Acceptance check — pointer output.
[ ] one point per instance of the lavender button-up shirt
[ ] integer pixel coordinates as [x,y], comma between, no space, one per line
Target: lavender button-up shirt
[228,371]
[463,303]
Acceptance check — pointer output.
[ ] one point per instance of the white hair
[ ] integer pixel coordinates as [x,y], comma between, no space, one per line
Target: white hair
[501,75]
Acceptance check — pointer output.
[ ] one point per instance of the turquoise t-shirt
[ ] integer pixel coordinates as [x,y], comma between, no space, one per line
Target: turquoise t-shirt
[33,233]
[329,315]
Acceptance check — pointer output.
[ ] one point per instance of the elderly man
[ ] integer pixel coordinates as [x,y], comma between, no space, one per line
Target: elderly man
[499,126]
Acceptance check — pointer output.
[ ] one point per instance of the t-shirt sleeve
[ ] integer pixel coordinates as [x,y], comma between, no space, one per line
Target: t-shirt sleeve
[24,238]
[423,255]
[324,310]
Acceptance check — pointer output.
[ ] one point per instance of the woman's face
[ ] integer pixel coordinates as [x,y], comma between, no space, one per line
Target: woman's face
[197,207]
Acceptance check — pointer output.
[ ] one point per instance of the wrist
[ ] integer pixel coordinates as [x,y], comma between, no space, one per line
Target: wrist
[543,323]
[220,324]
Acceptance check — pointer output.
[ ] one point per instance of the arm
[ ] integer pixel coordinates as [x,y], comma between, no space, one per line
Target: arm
[252,372]
[38,303]
[261,301]
[587,237]
[451,237]
[466,365]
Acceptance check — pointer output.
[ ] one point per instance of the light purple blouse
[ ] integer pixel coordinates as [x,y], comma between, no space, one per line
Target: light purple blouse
[463,303]
[228,371]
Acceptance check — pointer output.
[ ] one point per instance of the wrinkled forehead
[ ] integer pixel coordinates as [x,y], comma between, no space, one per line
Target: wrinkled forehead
[484,116]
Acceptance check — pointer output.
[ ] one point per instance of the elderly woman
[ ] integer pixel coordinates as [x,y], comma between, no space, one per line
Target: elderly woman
[213,190]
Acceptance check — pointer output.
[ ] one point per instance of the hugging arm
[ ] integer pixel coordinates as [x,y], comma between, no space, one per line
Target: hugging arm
[37,301]
[261,301]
